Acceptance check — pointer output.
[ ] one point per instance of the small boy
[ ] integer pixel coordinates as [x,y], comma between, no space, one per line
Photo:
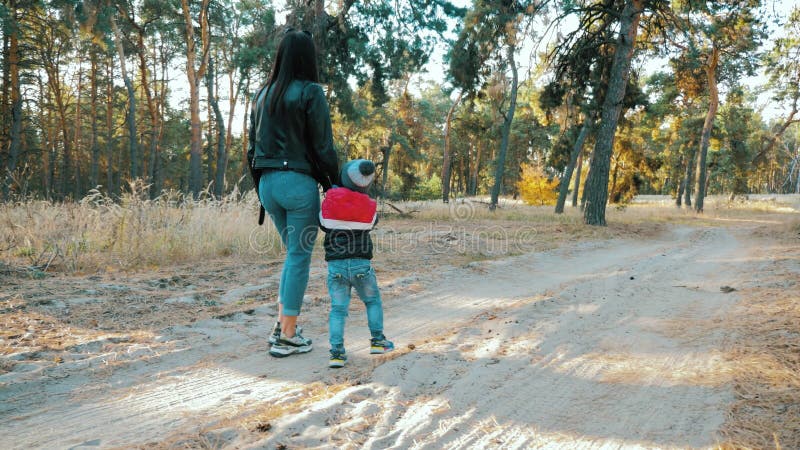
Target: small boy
[346,216]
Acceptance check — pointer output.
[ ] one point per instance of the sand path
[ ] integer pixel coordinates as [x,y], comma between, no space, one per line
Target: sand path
[597,346]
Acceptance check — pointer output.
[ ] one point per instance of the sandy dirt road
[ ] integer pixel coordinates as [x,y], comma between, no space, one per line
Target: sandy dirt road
[596,345]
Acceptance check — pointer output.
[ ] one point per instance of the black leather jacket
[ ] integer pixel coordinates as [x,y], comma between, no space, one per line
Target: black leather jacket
[298,137]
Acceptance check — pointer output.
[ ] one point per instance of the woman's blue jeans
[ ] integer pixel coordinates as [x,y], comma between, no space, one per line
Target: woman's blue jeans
[343,275]
[292,201]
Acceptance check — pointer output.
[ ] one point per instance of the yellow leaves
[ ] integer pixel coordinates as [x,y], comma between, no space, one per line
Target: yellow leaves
[536,188]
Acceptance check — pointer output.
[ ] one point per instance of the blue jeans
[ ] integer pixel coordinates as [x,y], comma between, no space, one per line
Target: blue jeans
[344,274]
[292,201]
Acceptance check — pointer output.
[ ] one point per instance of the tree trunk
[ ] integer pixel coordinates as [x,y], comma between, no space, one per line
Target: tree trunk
[245,126]
[151,108]
[586,183]
[132,133]
[15,138]
[688,179]
[681,187]
[94,171]
[614,173]
[713,104]
[508,119]
[5,108]
[162,105]
[235,89]
[446,164]
[595,211]
[387,153]
[44,119]
[577,185]
[54,82]
[209,146]
[460,179]
[77,134]
[222,155]
[476,168]
[110,127]
[194,75]
[573,159]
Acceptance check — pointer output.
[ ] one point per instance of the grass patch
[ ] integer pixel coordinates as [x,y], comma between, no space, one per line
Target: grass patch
[98,234]
[766,351]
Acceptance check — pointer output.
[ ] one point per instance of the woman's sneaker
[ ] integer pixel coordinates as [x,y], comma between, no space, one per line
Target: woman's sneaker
[380,345]
[286,346]
[338,358]
[276,333]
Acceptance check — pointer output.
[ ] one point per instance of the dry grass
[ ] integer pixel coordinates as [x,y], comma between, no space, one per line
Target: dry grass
[766,350]
[98,234]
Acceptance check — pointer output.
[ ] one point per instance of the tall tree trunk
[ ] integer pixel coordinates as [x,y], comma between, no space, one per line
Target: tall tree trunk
[689,178]
[54,82]
[476,168]
[577,184]
[506,131]
[162,105]
[577,149]
[446,164]
[45,113]
[132,133]
[15,139]
[209,147]
[713,104]
[222,155]
[681,187]
[386,150]
[460,179]
[77,134]
[586,183]
[235,88]
[5,108]
[94,172]
[245,133]
[152,109]
[595,211]
[194,75]
[110,126]
[614,173]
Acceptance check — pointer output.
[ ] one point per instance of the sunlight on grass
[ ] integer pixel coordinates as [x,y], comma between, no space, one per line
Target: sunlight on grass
[98,233]
[134,232]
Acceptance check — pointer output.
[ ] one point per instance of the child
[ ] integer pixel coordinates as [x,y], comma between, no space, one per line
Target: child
[347,215]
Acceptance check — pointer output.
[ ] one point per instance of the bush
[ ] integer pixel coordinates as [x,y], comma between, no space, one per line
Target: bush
[536,188]
[428,190]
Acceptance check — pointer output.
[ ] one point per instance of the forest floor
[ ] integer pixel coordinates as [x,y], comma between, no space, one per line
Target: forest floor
[674,332]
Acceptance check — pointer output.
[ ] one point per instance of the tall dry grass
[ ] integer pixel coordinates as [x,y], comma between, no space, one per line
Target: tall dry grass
[99,233]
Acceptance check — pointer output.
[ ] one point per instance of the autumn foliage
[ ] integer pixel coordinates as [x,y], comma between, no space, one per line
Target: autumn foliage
[536,188]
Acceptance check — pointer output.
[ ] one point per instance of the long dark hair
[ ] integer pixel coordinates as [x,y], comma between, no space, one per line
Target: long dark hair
[296,60]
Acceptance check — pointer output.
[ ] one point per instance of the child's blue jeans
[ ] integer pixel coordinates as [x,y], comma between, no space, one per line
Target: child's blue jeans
[344,274]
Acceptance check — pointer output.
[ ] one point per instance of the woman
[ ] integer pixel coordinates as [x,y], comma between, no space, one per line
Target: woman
[290,151]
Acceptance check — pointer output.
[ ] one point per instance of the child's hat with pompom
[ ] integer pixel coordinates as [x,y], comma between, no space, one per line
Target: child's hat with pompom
[358,174]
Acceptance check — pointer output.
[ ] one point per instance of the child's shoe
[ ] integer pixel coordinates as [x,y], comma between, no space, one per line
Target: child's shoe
[380,345]
[276,333]
[338,358]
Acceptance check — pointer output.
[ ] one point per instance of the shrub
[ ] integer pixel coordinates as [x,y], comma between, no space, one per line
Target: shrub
[536,188]
[431,189]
